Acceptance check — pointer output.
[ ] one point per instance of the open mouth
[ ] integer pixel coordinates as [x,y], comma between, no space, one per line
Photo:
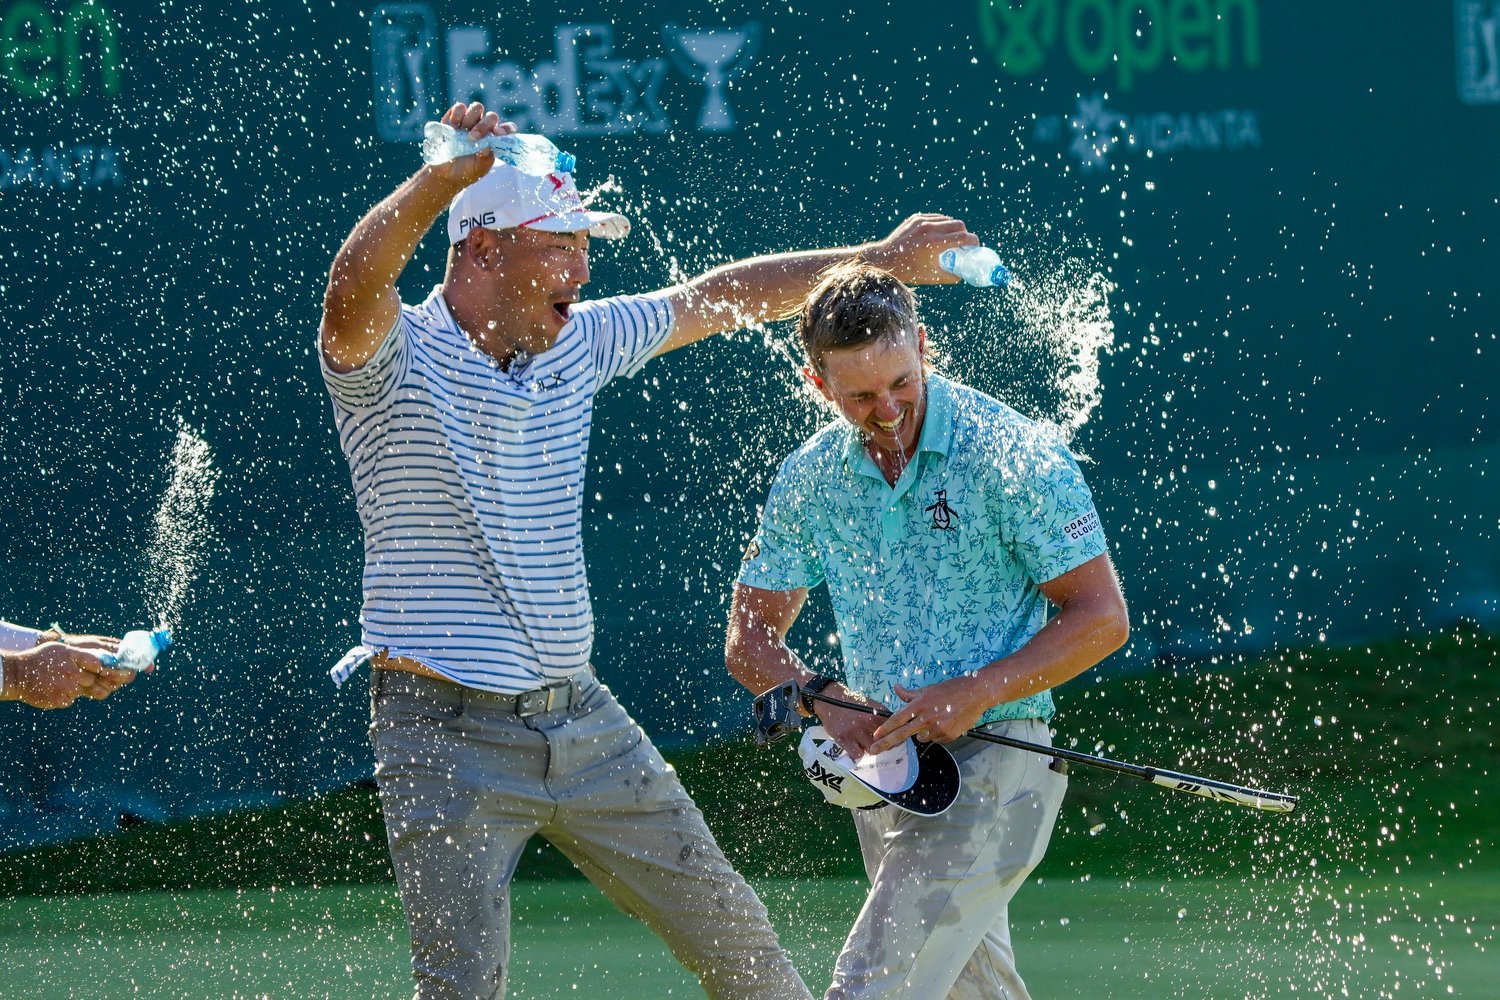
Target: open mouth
[562,309]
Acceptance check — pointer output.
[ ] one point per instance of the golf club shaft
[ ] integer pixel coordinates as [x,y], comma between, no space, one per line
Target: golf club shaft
[1221,791]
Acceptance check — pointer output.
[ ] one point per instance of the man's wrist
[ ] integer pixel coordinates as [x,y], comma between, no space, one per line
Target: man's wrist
[813,686]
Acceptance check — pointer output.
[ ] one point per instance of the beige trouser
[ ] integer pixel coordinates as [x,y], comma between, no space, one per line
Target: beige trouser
[464,783]
[935,922]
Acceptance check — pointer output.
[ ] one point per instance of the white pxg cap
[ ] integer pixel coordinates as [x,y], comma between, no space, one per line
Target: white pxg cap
[507,198]
[921,779]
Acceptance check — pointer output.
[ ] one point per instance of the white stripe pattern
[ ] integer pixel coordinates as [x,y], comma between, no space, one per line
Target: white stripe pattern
[469,484]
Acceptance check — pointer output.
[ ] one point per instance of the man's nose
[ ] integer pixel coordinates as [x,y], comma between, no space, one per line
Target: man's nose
[887,408]
[577,270]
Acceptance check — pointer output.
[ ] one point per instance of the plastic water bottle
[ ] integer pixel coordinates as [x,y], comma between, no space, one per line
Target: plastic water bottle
[530,154]
[978,266]
[138,650]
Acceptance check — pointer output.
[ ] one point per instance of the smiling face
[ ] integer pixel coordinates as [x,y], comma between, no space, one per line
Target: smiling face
[879,388]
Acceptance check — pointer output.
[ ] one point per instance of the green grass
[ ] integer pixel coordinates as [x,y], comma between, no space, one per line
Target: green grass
[1385,883]
[1115,938]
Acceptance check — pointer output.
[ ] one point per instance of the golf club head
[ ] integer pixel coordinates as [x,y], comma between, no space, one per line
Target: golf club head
[775,714]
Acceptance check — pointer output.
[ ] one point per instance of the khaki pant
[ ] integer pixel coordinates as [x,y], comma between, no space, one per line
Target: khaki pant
[935,922]
[464,784]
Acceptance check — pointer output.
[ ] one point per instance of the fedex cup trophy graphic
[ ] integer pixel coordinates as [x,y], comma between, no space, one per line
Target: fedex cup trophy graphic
[714,56]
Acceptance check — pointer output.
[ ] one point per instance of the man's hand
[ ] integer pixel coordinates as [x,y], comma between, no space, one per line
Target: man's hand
[54,674]
[854,731]
[911,251]
[479,124]
[939,713]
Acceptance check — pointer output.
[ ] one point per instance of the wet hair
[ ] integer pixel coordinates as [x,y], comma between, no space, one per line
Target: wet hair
[855,304]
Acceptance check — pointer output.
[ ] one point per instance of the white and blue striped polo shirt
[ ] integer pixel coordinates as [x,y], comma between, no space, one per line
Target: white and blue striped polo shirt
[469,484]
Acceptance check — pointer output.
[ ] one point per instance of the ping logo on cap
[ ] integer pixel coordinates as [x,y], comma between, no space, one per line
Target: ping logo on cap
[469,222]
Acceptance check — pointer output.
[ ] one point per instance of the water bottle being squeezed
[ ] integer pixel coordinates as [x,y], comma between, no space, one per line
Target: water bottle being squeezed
[978,266]
[530,154]
[138,649]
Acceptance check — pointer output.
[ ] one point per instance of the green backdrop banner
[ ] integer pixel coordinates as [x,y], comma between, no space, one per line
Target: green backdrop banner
[1255,241]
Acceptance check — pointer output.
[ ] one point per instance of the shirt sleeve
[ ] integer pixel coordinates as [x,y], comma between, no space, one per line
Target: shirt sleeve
[624,332]
[15,638]
[782,555]
[367,386]
[1049,512]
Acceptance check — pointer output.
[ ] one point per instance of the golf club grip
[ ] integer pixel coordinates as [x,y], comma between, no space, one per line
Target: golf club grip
[1219,791]
[1251,798]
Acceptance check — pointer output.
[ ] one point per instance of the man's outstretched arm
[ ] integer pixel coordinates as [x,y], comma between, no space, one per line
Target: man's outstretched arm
[757,289]
[361,303]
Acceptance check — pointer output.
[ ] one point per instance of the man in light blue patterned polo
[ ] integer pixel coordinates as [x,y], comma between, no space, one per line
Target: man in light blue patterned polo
[945,525]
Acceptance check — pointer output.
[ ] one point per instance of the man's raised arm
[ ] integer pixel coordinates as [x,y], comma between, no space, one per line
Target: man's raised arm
[361,305]
[737,295]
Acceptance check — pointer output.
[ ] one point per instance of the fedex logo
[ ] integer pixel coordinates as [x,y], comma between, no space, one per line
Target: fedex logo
[585,88]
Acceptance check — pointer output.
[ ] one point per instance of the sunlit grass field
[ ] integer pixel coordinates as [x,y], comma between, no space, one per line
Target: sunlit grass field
[1094,938]
[1385,883]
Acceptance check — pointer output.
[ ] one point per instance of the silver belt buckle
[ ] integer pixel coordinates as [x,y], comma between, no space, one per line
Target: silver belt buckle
[532,702]
[543,699]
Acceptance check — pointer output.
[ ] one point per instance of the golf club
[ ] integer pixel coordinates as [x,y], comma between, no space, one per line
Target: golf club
[775,717]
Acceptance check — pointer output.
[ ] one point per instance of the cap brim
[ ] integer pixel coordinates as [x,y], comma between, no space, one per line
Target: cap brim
[933,791]
[605,225]
[937,785]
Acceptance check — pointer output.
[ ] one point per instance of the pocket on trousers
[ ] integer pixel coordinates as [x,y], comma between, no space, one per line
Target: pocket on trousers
[401,709]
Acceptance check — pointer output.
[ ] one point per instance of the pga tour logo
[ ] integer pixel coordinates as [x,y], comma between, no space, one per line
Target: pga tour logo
[1478,23]
[586,88]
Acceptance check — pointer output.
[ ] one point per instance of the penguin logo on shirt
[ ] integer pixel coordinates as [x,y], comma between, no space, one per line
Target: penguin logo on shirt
[944,518]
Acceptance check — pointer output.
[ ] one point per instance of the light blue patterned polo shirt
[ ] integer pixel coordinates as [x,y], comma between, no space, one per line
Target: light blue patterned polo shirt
[937,576]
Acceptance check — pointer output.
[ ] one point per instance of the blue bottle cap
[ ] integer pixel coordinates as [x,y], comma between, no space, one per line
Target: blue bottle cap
[999,277]
[163,638]
[566,162]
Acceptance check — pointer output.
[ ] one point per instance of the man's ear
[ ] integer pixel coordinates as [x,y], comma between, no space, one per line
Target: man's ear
[479,247]
[921,341]
[817,381]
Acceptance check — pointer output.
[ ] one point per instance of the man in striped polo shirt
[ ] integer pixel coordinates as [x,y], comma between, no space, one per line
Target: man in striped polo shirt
[944,525]
[465,420]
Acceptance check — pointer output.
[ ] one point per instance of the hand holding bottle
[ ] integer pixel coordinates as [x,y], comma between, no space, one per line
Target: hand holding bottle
[476,124]
[978,266]
[530,154]
[138,650]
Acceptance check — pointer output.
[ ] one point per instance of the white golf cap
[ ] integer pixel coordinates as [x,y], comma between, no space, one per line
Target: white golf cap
[507,198]
[919,778]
